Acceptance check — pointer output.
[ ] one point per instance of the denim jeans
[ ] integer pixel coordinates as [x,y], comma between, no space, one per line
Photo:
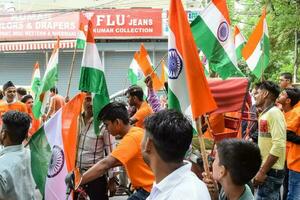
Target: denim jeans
[270,189]
[140,194]
[294,185]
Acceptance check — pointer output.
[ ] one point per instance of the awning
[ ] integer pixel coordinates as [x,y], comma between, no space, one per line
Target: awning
[35,45]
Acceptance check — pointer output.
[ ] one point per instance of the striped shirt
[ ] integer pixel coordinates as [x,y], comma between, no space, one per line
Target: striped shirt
[92,148]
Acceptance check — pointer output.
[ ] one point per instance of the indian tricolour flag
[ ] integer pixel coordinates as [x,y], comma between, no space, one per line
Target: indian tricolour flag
[213,35]
[92,77]
[81,37]
[146,66]
[53,149]
[36,78]
[256,50]
[188,87]
[49,80]
[239,42]
[135,74]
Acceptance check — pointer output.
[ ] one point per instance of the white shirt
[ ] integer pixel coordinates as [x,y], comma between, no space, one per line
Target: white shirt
[16,181]
[181,184]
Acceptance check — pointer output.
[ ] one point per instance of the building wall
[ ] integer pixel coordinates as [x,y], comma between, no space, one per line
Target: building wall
[116,58]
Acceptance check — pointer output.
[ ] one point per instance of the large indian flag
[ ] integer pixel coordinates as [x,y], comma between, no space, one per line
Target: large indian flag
[256,50]
[53,150]
[188,87]
[239,42]
[213,35]
[49,80]
[92,77]
[36,78]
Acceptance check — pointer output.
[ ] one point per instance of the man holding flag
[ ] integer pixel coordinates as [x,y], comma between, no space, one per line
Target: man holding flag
[128,153]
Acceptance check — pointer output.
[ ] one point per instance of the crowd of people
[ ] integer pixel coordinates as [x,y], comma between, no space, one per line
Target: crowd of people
[153,144]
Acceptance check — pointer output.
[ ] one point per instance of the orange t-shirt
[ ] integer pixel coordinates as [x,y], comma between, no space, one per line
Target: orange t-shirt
[293,124]
[18,106]
[129,153]
[144,111]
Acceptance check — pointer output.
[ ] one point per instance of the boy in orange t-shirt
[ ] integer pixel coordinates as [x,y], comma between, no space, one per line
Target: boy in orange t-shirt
[135,97]
[9,101]
[127,153]
[289,99]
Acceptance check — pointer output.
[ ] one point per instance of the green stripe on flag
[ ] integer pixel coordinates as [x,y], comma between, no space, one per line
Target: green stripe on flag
[47,83]
[132,77]
[40,158]
[173,102]
[80,44]
[264,58]
[238,51]
[92,80]
[219,61]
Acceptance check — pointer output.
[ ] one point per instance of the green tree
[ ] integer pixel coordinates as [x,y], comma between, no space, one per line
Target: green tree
[283,20]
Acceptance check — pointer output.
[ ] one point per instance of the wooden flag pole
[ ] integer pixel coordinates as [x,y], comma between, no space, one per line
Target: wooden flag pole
[202,145]
[71,71]
[162,59]
[203,151]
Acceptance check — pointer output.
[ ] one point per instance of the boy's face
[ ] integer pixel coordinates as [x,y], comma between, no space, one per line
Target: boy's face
[29,103]
[218,169]
[112,127]
[283,98]
[10,93]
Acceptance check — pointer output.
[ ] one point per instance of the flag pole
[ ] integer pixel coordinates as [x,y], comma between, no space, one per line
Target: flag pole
[162,59]
[203,150]
[71,71]
[202,145]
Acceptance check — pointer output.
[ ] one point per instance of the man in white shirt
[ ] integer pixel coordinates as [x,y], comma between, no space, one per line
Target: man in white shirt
[16,181]
[167,138]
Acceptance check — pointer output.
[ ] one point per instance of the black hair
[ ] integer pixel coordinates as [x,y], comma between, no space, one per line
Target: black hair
[1,94]
[271,87]
[26,97]
[16,125]
[257,85]
[113,111]
[135,90]
[54,90]
[21,91]
[241,158]
[171,133]
[293,94]
[7,85]
[287,75]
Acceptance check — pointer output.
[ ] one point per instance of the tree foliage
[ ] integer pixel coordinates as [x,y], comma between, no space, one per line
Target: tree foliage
[283,20]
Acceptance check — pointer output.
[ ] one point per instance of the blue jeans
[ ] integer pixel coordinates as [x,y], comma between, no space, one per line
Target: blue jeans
[140,194]
[270,189]
[294,185]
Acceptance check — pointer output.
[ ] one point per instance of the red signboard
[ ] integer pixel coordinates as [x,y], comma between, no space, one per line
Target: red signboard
[108,23]
[126,22]
[41,26]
